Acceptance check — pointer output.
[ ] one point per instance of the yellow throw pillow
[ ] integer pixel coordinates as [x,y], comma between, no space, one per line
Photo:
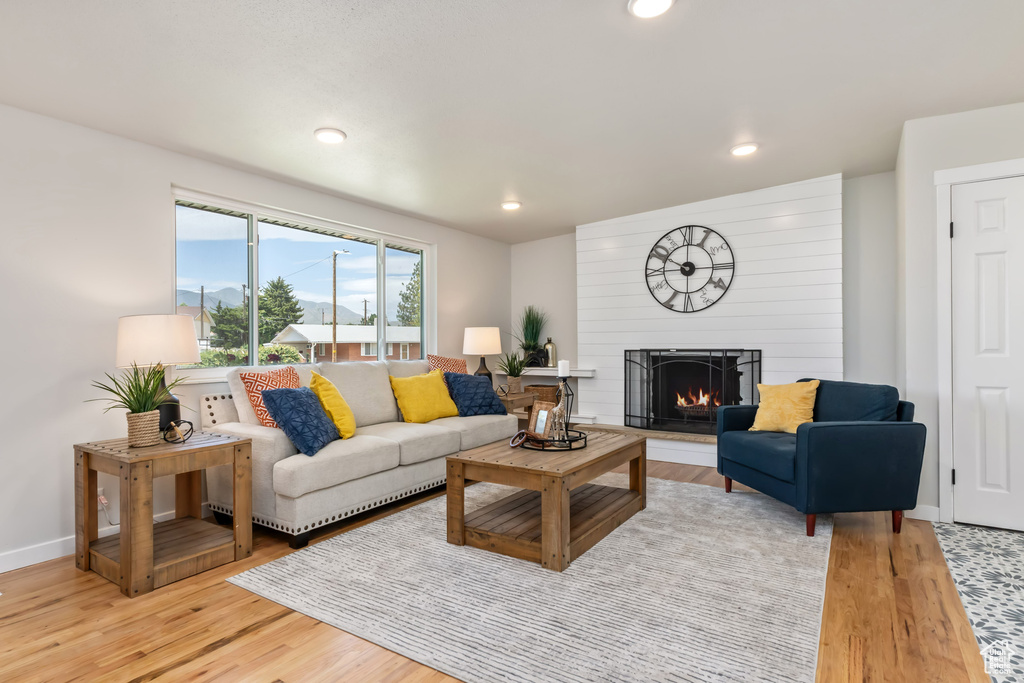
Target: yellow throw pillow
[784,407]
[334,405]
[424,397]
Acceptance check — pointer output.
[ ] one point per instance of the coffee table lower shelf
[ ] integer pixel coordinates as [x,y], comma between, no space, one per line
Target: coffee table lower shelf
[513,525]
[181,547]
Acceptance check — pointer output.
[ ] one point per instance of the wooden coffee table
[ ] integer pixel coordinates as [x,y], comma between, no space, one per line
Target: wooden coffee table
[558,515]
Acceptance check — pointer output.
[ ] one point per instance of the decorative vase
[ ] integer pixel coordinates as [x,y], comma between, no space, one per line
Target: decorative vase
[143,429]
[515,385]
[551,350]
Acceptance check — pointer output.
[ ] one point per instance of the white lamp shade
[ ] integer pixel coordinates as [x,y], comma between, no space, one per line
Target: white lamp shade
[151,339]
[482,341]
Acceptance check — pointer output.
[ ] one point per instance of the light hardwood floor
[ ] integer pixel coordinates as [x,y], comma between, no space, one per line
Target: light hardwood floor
[891,614]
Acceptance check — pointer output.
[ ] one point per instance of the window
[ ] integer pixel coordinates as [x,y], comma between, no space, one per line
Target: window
[287,287]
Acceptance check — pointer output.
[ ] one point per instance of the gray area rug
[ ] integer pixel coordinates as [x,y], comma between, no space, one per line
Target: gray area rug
[700,586]
[987,566]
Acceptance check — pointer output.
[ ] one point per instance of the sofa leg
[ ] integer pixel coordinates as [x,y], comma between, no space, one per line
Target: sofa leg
[811,520]
[298,541]
[897,521]
[728,485]
[222,518]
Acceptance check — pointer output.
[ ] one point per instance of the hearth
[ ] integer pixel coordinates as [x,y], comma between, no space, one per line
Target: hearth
[680,389]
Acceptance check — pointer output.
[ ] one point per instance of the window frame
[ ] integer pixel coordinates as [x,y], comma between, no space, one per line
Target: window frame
[255,212]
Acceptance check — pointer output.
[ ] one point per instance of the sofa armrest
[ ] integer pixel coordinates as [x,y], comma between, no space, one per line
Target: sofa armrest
[269,446]
[858,466]
[735,418]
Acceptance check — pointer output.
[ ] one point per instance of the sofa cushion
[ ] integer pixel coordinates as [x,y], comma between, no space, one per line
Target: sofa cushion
[299,415]
[416,442]
[854,402]
[246,415]
[256,383]
[338,462]
[480,429]
[773,453]
[366,388]
[408,368]
[474,394]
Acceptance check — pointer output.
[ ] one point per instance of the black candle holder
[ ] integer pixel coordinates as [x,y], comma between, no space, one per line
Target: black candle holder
[564,438]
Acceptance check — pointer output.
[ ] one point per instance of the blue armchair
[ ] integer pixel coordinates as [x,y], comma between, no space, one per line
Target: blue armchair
[862,453]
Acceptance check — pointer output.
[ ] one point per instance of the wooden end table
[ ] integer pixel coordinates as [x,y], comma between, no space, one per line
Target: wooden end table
[144,555]
[558,515]
[512,402]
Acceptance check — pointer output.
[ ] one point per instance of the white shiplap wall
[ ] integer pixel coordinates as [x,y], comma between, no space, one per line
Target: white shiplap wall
[786,297]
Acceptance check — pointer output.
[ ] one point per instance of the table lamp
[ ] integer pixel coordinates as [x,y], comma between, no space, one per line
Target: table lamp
[148,340]
[482,341]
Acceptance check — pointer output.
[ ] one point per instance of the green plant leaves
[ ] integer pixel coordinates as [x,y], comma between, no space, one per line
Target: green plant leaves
[137,390]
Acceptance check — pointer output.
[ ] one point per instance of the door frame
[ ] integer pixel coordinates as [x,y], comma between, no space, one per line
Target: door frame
[944,182]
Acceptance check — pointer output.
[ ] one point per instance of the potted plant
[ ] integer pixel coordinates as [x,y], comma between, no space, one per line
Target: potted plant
[513,365]
[140,391]
[531,324]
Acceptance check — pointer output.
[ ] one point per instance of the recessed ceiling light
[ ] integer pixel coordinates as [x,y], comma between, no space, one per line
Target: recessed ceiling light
[511,206]
[648,9]
[744,149]
[331,136]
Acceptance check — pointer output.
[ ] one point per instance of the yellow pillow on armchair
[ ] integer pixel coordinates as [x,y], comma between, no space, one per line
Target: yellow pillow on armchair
[784,407]
[424,397]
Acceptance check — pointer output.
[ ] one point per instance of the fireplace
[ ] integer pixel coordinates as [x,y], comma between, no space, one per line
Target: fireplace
[680,390]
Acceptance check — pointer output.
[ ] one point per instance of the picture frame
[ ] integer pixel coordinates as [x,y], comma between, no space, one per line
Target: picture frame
[541,424]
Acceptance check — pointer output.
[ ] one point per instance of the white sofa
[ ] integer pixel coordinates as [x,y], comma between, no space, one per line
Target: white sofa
[387,458]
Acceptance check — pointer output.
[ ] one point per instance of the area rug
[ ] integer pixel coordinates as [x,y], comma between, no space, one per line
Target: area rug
[700,586]
[987,566]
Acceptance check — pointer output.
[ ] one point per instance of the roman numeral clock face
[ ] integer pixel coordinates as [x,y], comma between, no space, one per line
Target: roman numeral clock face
[690,268]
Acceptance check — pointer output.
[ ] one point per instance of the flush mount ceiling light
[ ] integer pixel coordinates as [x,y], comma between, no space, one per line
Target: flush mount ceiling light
[648,9]
[330,136]
[511,206]
[744,149]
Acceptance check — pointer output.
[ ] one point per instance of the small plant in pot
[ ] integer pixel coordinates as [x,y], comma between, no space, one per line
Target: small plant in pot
[531,324]
[513,365]
[140,391]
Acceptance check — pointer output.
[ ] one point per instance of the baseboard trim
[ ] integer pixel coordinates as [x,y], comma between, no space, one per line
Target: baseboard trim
[60,547]
[928,513]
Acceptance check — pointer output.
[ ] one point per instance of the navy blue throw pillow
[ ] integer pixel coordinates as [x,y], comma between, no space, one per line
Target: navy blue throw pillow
[473,394]
[299,414]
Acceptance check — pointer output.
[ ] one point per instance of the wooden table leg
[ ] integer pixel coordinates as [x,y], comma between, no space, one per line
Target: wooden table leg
[242,500]
[456,504]
[554,519]
[638,475]
[86,520]
[188,494]
[136,529]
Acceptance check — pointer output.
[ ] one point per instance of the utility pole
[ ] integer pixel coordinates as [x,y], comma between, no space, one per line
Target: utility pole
[202,311]
[366,318]
[334,303]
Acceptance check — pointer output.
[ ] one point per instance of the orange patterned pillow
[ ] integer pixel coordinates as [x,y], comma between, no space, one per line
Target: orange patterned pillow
[447,364]
[256,382]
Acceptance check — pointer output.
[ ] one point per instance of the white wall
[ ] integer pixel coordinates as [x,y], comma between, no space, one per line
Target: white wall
[869,278]
[88,235]
[785,297]
[544,275]
[929,145]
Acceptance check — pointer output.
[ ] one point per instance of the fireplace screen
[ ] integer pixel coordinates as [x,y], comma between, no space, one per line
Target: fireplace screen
[680,390]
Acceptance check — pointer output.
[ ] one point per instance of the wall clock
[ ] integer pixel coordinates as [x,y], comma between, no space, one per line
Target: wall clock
[689,268]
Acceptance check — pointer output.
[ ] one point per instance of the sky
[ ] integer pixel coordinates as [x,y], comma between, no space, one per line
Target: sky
[212,251]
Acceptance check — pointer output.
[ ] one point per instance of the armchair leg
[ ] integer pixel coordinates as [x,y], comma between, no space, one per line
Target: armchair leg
[897,521]
[811,520]
[728,485]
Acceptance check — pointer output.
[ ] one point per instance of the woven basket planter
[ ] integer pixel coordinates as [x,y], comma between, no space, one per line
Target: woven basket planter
[143,429]
[545,392]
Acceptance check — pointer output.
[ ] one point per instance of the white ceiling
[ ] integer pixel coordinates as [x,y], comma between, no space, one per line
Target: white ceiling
[574,107]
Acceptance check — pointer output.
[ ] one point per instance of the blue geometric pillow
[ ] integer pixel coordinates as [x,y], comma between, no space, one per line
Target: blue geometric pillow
[299,414]
[473,394]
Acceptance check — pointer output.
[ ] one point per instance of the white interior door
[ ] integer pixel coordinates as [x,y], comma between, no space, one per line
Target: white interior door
[988,358]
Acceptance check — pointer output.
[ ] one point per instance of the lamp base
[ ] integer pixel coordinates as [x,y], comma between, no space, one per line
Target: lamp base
[171,410]
[482,370]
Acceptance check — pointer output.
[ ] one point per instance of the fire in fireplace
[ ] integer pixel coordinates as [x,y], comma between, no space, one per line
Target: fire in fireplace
[680,390]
